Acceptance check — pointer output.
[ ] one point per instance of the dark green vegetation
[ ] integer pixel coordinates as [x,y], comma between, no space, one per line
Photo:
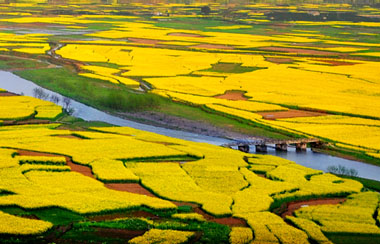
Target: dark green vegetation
[91,91]
[367,183]
[357,239]
[348,154]
[12,63]
[111,97]
[57,216]
[210,232]
[70,226]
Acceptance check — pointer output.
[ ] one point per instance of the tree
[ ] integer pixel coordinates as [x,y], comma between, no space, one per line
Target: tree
[55,99]
[205,10]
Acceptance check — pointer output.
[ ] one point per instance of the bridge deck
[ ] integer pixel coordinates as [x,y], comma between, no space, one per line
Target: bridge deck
[270,141]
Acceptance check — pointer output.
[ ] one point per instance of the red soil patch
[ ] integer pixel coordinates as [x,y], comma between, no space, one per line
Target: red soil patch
[22,152]
[300,51]
[290,114]
[143,41]
[279,60]
[213,46]
[119,233]
[7,94]
[335,62]
[129,187]
[233,95]
[293,206]
[185,34]
[230,221]
[84,170]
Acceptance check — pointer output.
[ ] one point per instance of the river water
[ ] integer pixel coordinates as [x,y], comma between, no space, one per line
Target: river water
[15,84]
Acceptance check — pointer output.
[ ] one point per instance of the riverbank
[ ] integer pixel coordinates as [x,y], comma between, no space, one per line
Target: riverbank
[198,130]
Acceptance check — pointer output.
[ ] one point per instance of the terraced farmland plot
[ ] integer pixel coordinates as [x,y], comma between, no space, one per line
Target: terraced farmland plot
[40,169]
[311,75]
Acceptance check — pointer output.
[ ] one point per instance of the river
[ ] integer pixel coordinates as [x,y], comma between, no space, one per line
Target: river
[320,161]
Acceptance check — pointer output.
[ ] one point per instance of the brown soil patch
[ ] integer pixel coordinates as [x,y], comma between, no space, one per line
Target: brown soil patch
[22,152]
[230,221]
[119,233]
[279,60]
[233,95]
[143,41]
[293,206]
[129,187]
[184,34]
[213,46]
[84,170]
[25,122]
[300,51]
[335,62]
[7,94]
[290,114]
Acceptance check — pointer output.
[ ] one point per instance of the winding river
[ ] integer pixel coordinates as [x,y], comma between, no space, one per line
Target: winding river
[320,161]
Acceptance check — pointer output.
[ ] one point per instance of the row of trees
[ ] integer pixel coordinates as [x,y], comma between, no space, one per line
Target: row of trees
[65,101]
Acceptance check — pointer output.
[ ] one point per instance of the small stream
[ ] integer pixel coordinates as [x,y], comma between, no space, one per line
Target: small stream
[320,161]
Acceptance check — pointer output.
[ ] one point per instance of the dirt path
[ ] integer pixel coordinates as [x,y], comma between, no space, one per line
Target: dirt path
[293,206]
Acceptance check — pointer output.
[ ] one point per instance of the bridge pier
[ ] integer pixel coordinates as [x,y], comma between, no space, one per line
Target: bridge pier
[301,147]
[261,148]
[243,148]
[316,144]
[283,147]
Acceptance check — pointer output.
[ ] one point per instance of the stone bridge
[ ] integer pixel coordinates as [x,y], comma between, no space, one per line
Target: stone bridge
[280,145]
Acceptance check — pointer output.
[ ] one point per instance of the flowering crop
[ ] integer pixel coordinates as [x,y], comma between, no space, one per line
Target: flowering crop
[162,236]
[11,224]
[311,229]
[189,216]
[48,112]
[108,170]
[241,235]
[58,160]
